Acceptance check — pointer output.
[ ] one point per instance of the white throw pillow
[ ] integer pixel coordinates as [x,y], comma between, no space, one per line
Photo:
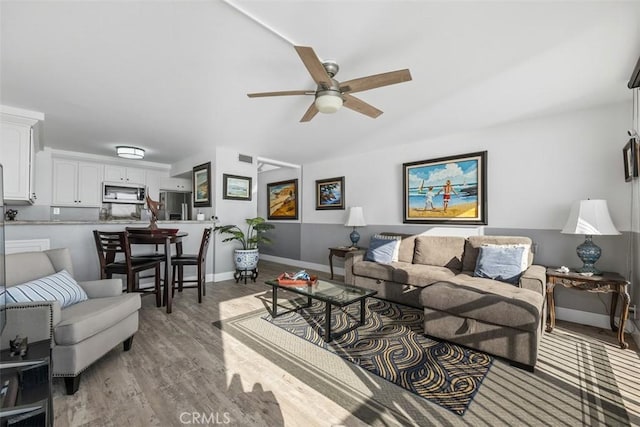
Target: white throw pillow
[57,287]
[524,262]
[396,249]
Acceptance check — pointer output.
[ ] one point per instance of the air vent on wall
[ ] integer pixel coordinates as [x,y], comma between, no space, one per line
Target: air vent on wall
[245,158]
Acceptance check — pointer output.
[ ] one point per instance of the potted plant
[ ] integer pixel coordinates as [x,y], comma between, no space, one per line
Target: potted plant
[247,257]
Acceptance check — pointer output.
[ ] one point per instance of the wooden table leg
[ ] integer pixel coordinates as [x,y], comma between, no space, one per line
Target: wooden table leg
[551,306]
[612,312]
[331,263]
[168,274]
[624,314]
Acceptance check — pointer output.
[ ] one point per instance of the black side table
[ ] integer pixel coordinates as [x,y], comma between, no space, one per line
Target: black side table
[26,386]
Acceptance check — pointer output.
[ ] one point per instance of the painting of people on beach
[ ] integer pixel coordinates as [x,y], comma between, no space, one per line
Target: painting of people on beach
[330,193]
[283,200]
[446,190]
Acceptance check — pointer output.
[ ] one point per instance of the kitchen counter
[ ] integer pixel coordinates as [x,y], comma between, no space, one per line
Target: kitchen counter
[77,235]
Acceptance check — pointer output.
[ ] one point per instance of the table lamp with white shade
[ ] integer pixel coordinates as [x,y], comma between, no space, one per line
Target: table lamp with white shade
[355,219]
[589,217]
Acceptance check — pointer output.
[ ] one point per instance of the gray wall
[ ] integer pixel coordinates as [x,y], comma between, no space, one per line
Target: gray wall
[286,240]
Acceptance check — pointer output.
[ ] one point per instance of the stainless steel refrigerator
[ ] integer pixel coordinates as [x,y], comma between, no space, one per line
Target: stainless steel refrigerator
[175,205]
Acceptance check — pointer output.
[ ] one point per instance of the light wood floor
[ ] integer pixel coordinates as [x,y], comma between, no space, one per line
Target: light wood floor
[182,368]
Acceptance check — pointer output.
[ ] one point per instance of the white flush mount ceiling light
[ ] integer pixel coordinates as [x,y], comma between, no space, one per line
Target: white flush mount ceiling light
[130,152]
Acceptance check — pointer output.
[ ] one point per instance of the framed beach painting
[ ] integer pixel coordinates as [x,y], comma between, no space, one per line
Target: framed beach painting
[282,200]
[202,185]
[330,193]
[446,190]
[631,160]
[236,187]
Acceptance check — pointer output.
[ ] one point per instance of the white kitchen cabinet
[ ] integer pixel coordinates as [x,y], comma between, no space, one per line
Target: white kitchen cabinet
[175,184]
[115,173]
[77,183]
[17,155]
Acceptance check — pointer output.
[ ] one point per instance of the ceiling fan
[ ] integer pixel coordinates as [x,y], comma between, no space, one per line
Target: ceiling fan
[331,94]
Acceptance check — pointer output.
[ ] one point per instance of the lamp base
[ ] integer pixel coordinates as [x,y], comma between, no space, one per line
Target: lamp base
[589,253]
[354,236]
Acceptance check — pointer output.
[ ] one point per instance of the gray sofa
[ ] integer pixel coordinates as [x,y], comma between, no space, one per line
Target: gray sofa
[436,274]
[83,332]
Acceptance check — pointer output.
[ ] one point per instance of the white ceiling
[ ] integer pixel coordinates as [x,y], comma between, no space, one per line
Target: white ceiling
[172,76]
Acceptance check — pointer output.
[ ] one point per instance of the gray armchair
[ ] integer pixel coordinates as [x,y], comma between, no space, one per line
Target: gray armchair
[83,332]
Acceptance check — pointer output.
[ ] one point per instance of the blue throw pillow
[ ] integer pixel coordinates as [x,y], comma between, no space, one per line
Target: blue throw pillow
[382,249]
[57,287]
[503,263]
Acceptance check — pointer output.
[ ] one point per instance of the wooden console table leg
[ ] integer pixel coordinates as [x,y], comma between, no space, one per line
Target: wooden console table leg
[551,306]
[331,263]
[624,314]
[614,308]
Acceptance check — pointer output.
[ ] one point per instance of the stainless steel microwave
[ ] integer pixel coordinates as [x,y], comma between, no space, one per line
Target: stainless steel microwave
[116,192]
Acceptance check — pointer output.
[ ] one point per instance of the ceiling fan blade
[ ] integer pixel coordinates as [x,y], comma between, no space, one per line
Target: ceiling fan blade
[376,80]
[314,65]
[310,113]
[281,93]
[360,106]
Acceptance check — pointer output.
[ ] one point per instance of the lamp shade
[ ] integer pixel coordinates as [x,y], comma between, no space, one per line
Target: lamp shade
[328,103]
[130,152]
[355,218]
[590,217]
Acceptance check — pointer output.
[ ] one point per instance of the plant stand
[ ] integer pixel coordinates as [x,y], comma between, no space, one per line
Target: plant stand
[244,274]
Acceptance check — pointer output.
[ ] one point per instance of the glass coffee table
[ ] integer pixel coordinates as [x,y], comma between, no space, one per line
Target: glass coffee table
[331,293]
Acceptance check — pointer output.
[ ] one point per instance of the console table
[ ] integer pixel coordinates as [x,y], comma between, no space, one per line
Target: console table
[341,252]
[606,282]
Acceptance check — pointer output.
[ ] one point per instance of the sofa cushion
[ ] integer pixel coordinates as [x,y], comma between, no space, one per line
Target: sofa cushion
[407,245]
[421,275]
[383,249]
[501,262]
[473,244]
[59,287]
[374,270]
[442,251]
[485,300]
[81,321]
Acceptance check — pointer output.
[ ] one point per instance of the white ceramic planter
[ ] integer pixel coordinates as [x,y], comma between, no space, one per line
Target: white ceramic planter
[246,259]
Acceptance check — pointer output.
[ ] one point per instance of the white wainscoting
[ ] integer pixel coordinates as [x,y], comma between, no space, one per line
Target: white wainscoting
[33,245]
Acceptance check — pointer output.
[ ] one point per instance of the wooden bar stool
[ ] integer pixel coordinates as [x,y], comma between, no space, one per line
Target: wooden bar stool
[199,260]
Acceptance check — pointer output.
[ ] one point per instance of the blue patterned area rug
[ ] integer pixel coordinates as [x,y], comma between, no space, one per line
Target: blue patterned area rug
[392,345]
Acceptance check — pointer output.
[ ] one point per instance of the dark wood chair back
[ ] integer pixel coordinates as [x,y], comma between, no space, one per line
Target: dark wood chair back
[109,244]
[204,244]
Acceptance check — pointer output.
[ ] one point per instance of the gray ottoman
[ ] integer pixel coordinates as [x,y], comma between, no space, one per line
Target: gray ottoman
[490,316]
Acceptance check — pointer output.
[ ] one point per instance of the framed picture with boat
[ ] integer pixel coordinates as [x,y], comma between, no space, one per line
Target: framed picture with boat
[330,193]
[446,190]
[282,200]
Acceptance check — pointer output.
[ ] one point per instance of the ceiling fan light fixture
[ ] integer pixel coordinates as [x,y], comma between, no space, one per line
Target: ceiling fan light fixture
[127,152]
[328,103]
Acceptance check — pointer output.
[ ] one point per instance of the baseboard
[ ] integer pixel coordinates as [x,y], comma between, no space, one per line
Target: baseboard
[592,319]
[302,264]
[219,277]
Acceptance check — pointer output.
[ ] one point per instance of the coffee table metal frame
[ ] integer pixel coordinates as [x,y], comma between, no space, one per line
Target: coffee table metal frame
[331,294]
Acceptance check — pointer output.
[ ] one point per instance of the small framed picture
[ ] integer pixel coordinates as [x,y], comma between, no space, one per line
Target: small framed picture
[236,187]
[202,185]
[282,199]
[631,160]
[330,193]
